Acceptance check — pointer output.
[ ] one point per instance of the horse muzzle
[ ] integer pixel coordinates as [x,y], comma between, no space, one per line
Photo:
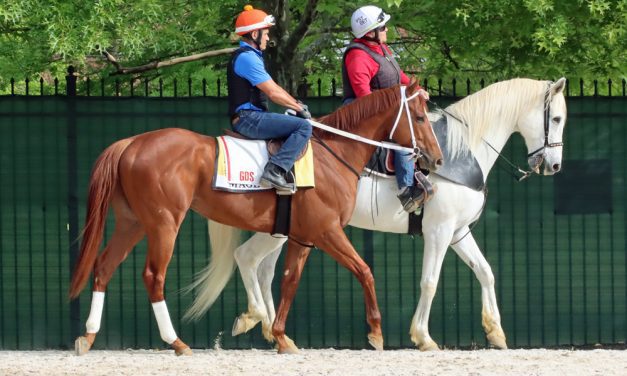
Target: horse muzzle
[536,161]
[427,163]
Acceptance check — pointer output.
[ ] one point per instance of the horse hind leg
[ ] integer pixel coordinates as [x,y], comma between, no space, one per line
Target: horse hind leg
[254,264]
[161,240]
[265,274]
[128,232]
[469,251]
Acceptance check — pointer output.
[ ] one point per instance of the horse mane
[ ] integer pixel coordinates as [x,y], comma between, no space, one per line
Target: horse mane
[479,110]
[350,116]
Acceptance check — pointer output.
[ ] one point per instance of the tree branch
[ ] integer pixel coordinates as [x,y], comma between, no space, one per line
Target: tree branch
[303,26]
[166,63]
[446,50]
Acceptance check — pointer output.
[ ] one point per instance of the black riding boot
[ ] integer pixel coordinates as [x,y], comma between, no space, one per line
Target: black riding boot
[274,177]
[411,198]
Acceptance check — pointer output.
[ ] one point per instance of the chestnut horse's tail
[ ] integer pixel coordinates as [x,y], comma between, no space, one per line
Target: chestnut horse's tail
[210,281]
[104,178]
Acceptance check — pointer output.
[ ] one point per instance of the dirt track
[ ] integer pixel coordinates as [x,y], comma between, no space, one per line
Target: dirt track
[317,362]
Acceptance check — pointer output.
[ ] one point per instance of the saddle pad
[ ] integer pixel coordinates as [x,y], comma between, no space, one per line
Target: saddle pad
[240,163]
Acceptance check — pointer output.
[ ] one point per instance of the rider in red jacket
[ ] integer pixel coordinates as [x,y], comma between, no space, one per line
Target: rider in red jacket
[370,65]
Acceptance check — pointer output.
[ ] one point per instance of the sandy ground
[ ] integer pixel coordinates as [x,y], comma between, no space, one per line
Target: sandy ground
[317,362]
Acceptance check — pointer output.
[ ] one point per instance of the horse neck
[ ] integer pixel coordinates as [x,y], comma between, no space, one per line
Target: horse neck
[486,156]
[496,133]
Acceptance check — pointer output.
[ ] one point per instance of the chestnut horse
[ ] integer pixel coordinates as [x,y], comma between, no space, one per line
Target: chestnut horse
[154,178]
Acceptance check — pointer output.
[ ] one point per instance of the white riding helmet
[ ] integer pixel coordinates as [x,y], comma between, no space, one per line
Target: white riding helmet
[366,19]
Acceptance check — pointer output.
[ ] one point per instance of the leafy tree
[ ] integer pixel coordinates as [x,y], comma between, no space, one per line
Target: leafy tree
[490,39]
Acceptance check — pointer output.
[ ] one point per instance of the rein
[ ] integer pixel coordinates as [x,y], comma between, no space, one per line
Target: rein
[324,145]
[383,144]
[387,145]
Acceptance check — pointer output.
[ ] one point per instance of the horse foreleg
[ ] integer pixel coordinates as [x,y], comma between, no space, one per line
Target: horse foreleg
[265,275]
[126,235]
[469,251]
[248,257]
[160,249]
[337,245]
[292,271]
[436,243]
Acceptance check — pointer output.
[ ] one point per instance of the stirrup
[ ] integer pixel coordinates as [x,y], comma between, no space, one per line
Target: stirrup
[422,183]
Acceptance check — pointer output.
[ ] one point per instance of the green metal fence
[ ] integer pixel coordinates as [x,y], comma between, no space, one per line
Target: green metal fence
[556,244]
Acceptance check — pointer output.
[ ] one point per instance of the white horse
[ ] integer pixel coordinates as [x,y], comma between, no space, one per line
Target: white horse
[480,123]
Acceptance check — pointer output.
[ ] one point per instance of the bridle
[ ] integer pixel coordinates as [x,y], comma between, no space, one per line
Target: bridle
[405,104]
[415,150]
[547,123]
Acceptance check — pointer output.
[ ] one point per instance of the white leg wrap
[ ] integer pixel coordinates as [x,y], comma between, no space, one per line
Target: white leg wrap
[95,313]
[166,329]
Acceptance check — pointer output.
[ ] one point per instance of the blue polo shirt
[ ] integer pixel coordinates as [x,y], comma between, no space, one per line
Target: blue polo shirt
[249,65]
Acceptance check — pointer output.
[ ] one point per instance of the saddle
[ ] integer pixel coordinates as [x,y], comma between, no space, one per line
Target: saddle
[273,145]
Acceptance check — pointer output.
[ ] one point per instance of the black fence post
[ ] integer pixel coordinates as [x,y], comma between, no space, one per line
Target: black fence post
[72,198]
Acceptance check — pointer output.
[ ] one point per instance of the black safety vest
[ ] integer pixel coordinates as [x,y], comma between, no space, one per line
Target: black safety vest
[240,90]
[388,75]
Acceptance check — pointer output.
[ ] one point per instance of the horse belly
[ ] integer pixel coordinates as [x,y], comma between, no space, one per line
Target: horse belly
[377,207]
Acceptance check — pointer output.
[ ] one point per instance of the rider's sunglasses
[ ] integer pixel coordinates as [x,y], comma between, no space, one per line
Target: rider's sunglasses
[382,28]
[381,17]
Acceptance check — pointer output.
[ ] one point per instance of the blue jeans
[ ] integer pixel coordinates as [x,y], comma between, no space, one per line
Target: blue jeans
[266,125]
[404,166]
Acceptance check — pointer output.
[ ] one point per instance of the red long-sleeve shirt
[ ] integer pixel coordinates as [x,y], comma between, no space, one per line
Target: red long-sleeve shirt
[361,68]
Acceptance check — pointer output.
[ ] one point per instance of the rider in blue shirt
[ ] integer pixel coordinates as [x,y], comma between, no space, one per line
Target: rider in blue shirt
[250,87]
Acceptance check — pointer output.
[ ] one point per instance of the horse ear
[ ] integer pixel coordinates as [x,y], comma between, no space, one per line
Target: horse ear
[412,83]
[558,86]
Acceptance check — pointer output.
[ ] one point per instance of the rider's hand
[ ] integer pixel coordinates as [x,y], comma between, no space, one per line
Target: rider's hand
[422,93]
[304,113]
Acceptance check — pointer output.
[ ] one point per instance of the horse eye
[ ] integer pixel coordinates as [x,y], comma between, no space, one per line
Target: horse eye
[557,119]
[421,119]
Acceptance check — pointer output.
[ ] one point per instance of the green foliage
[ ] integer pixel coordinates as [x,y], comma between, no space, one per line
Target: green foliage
[489,39]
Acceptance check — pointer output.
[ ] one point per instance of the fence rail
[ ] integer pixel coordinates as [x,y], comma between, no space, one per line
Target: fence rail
[150,88]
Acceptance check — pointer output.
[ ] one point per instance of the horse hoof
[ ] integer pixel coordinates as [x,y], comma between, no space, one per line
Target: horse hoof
[288,348]
[180,348]
[243,324]
[428,346]
[376,341]
[183,352]
[497,340]
[81,346]
[239,327]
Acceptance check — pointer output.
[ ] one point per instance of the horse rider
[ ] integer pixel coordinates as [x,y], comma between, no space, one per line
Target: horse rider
[368,65]
[250,86]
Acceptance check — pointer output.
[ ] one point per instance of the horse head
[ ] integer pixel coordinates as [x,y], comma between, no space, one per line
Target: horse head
[414,128]
[542,129]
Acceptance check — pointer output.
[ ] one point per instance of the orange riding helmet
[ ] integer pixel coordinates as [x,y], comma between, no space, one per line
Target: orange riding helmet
[252,19]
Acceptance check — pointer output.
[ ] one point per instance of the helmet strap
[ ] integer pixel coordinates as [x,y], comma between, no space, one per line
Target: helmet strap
[256,41]
[376,38]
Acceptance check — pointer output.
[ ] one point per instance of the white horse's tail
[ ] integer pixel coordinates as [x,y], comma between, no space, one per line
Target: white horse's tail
[210,281]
